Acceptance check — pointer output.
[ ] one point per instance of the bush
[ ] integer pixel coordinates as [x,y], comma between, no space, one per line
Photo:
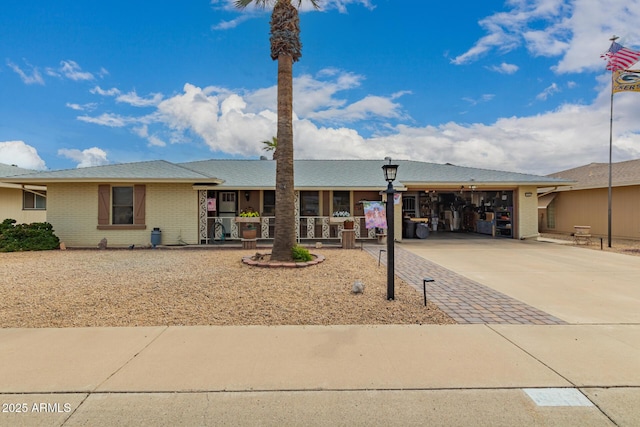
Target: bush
[301,254]
[37,236]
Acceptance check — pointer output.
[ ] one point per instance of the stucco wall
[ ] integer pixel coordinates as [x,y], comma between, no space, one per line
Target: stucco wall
[590,207]
[11,207]
[527,218]
[73,212]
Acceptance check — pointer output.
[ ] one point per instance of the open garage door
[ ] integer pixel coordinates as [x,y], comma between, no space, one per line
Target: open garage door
[489,213]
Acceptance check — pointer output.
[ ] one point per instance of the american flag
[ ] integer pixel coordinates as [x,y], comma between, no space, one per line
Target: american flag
[619,57]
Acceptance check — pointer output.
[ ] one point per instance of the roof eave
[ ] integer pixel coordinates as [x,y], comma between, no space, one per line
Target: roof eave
[49,181]
[484,184]
[575,186]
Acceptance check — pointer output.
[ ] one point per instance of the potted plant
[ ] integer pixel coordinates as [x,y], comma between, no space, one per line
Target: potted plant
[250,218]
[345,218]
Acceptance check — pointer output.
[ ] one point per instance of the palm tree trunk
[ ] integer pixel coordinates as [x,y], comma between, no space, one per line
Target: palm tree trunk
[285,233]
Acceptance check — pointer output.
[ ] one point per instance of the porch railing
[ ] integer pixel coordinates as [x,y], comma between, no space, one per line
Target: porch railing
[307,228]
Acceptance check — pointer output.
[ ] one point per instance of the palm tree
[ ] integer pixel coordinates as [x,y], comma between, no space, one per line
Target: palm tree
[271,146]
[286,48]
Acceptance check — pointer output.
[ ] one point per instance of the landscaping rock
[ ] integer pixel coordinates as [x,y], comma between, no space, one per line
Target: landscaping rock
[358,287]
[103,243]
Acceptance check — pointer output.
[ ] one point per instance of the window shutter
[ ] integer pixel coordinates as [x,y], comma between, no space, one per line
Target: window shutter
[139,195]
[104,203]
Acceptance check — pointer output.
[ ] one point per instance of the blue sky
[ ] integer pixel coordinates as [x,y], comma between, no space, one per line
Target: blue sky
[514,85]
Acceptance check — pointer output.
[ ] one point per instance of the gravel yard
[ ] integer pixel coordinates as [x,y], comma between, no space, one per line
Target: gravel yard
[81,288]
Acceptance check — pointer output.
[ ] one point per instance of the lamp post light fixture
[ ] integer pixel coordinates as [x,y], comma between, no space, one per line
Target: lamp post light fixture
[390,172]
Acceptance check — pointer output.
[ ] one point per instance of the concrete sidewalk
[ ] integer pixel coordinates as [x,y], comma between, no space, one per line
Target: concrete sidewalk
[343,375]
[583,373]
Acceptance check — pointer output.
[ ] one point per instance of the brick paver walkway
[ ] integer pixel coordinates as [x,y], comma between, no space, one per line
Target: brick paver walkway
[465,300]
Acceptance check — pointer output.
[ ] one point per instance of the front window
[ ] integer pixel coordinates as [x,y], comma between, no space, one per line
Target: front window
[309,203]
[122,205]
[551,215]
[409,205]
[35,201]
[342,201]
[269,203]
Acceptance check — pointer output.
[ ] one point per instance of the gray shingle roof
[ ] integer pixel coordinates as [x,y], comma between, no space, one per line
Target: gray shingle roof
[308,174]
[357,173]
[596,175]
[158,170]
[9,170]
[237,173]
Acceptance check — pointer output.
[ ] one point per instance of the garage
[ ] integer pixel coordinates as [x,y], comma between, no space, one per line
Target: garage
[468,210]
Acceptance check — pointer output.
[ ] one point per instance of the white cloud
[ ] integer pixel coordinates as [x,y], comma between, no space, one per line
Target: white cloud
[70,70]
[484,98]
[340,5]
[368,107]
[235,123]
[570,136]
[93,156]
[143,132]
[84,107]
[547,92]
[576,31]
[154,141]
[221,121]
[505,68]
[542,144]
[319,93]
[227,25]
[108,92]
[133,99]
[73,106]
[33,78]
[106,119]
[20,154]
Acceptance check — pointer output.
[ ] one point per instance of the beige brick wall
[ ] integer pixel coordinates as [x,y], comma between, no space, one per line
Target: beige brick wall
[11,207]
[73,212]
[174,209]
[527,212]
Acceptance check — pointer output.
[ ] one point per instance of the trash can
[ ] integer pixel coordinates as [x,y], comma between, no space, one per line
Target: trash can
[156,237]
[422,231]
[409,229]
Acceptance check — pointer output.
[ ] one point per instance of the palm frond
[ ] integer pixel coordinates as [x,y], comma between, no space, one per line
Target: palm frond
[241,4]
[314,3]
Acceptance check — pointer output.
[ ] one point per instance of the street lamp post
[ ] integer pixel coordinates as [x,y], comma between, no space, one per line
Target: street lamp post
[390,172]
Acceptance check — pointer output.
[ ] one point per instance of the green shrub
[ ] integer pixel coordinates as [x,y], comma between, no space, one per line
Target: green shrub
[301,254]
[37,236]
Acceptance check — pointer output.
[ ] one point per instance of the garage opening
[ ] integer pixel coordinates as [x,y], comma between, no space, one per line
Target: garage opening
[488,213]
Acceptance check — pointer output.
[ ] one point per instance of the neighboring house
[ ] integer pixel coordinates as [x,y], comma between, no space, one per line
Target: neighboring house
[24,203]
[586,202]
[125,202]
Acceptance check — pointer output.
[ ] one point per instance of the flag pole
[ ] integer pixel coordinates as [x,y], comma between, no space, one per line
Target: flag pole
[610,167]
[609,194]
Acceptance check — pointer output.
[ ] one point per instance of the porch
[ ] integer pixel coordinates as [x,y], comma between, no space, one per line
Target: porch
[307,228]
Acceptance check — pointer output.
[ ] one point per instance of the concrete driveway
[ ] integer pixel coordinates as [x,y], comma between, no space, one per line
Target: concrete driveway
[577,285]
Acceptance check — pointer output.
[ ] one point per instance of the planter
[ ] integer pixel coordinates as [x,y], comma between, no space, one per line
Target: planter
[248,219]
[249,233]
[348,225]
